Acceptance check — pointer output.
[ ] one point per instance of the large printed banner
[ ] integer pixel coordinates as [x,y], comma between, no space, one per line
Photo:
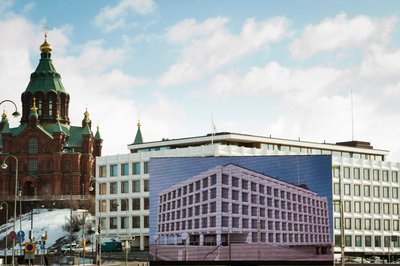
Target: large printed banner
[261,208]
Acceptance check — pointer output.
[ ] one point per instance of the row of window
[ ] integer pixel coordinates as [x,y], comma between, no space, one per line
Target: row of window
[240,222]
[368,224]
[306,150]
[367,241]
[367,191]
[135,204]
[244,210]
[124,222]
[123,169]
[123,187]
[366,174]
[368,207]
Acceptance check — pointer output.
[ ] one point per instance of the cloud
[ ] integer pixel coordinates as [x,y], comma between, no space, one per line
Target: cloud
[297,84]
[341,33]
[114,17]
[212,46]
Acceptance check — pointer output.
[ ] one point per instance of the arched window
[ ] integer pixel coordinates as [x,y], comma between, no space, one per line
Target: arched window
[50,107]
[33,145]
[40,106]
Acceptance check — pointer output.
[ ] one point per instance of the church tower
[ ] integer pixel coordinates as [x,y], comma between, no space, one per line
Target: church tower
[55,159]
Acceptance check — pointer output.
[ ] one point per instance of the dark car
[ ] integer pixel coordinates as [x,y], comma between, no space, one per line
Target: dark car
[111,246]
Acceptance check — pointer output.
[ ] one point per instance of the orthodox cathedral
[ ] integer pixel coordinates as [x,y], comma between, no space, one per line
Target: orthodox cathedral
[50,159]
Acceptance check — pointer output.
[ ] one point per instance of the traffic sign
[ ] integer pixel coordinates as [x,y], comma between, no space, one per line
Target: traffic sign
[12,235]
[30,247]
[42,247]
[21,234]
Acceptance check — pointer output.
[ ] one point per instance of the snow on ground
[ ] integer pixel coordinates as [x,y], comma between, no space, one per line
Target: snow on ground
[44,220]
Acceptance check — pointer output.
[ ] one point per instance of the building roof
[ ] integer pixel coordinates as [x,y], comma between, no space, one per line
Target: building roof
[252,141]
[45,78]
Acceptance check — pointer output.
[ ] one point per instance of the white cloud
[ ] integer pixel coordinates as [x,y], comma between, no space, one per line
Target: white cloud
[341,33]
[189,28]
[378,62]
[296,84]
[212,46]
[114,17]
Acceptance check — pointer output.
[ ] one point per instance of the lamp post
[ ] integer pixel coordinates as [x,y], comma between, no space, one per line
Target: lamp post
[1,207]
[5,166]
[16,113]
[92,189]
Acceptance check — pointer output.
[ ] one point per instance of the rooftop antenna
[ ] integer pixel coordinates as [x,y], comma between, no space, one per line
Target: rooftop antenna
[352,115]
[214,129]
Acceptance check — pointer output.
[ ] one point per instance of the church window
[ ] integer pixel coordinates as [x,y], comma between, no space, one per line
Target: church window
[32,165]
[39,106]
[33,145]
[50,107]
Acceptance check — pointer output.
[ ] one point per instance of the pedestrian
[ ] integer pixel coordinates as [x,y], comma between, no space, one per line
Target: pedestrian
[46,260]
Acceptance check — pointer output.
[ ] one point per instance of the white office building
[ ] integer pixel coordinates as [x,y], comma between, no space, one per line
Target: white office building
[235,204]
[369,192]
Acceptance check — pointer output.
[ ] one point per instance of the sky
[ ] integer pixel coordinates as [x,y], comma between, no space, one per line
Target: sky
[314,70]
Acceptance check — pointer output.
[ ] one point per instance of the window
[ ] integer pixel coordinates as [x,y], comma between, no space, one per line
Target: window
[356,173]
[385,192]
[367,224]
[385,176]
[103,188]
[357,223]
[394,177]
[225,179]
[377,207]
[395,193]
[347,223]
[376,176]
[136,204]
[377,224]
[124,187]
[146,185]
[113,170]
[336,171]
[136,222]
[347,241]
[124,205]
[245,184]
[346,172]
[113,205]
[337,223]
[33,145]
[347,189]
[102,171]
[124,222]
[102,206]
[113,223]
[376,191]
[358,241]
[336,189]
[113,188]
[136,168]
[50,107]
[32,165]
[146,203]
[124,169]
[386,225]
[357,206]
[378,241]
[367,241]
[347,206]
[357,190]
[146,167]
[367,191]
[366,174]
[136,186]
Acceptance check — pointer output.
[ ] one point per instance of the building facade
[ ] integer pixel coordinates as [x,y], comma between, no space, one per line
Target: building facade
[370,203]
[235,204]
[55,159]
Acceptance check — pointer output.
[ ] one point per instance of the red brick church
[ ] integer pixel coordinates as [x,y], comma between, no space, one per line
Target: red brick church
[55,158]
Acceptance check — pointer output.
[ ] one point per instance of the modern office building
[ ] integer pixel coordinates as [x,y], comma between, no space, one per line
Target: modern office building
[235,204]
[369,185]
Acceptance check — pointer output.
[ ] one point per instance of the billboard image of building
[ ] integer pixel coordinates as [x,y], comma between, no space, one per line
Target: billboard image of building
[235,210]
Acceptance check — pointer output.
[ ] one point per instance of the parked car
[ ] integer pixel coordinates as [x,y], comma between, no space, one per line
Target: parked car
[113,246]
[73,247]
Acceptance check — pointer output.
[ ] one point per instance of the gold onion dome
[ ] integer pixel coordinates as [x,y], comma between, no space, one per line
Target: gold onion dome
[45,47]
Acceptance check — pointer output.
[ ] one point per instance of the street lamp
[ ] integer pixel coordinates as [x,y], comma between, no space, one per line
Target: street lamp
[5,166]
[16,113]
[92,189]
[1,207]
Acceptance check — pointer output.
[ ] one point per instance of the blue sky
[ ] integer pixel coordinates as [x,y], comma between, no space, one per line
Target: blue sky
[280,68]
